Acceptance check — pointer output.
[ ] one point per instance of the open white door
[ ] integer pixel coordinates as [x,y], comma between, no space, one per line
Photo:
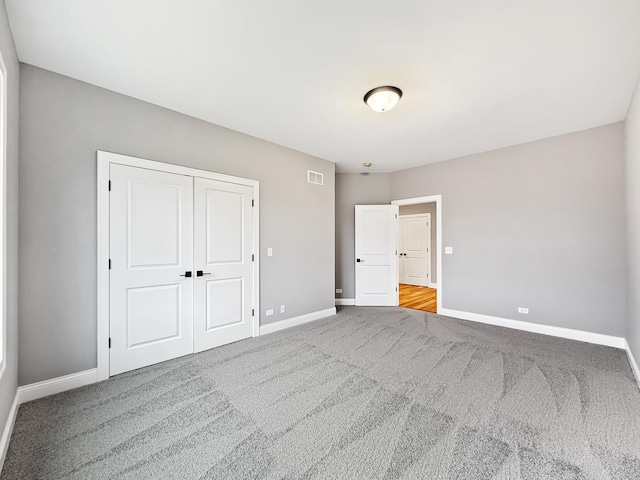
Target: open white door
[376,261]
[151,257]
[224,256]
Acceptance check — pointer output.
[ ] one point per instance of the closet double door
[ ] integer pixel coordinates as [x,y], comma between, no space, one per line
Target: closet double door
[181,265]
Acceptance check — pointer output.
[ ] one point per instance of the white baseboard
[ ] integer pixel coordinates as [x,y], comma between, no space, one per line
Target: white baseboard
[56,385]
[8,429]
[433,285]
[580,335]
[633,363]
[345,301]
[295,321]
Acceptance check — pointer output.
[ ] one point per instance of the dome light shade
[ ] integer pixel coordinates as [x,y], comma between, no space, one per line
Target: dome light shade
[382,99]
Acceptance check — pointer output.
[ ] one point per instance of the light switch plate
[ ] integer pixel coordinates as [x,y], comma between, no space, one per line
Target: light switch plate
[270,312]
[338,290]
[269,252]
[448,250]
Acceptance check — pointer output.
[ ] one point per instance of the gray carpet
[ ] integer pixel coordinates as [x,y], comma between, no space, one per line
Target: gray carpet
[372,393]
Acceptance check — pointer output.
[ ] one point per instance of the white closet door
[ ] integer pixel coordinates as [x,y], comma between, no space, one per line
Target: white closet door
[151,249]
[223,250]
[376,261]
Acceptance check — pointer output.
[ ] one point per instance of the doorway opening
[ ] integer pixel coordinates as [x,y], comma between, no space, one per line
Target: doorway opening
[419,251]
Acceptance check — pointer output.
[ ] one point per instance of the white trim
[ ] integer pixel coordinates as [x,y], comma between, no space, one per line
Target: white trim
[433,285]
[103,269]
[38,390]
[4,115]
[580,335]
[437,199]
[632,362]
[345,301]
[104,160]
[130,161]
[295,321]
[8,430]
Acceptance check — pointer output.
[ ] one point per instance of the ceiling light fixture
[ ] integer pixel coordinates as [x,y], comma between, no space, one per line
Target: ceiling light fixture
[367,164]
[382,99]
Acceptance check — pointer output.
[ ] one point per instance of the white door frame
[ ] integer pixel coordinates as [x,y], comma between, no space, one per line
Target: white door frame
[428,217]
[437,199]
[104,160]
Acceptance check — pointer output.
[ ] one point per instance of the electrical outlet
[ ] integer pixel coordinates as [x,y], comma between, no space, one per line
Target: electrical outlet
[270,312]
[338,290]
[282,308]
[523,310]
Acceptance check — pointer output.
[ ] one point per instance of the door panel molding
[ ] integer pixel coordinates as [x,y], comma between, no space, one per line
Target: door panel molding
[104,162]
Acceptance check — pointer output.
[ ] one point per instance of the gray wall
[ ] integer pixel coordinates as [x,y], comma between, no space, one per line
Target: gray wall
[9,380]
[633,223]
[353,189]
[538,225]
[63,122]
[427,208]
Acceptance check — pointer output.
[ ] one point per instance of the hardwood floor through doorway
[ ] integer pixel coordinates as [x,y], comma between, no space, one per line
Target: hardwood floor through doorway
[419,298]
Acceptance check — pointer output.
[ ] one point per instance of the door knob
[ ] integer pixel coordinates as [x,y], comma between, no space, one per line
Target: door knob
[186,274]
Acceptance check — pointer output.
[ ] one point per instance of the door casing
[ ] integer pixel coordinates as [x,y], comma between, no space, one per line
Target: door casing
[438,201]
[104,161]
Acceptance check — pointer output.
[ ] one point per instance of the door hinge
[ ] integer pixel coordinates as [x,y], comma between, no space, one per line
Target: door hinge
[396,289]
[109,185]
[109,342]
[109,264]
[253,257]
[253,312]
[253,203]
[396,215]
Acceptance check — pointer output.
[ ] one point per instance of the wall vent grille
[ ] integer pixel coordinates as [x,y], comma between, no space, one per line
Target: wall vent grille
[316,178]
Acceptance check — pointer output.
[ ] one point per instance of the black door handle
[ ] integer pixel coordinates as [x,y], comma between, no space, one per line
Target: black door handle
[200,273]
[357,259]
[187,274]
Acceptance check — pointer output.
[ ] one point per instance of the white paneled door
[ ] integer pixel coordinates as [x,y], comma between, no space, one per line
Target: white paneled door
[413,249]
[376,261]
[223,253]
[151,251]
[182,276]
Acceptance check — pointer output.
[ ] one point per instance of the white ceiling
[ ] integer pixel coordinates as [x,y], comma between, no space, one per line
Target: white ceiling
[476,75]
